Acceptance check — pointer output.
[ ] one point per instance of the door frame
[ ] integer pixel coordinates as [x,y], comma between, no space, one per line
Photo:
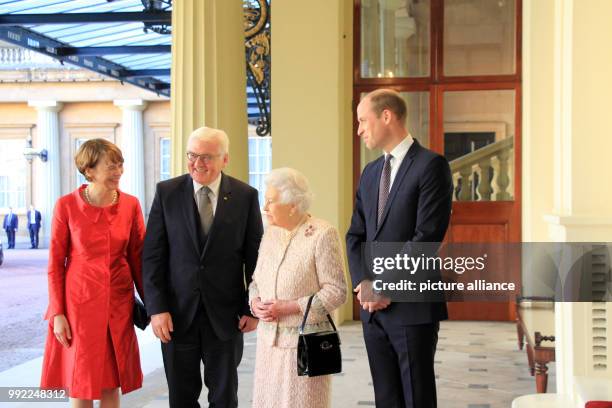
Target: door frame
[436,84]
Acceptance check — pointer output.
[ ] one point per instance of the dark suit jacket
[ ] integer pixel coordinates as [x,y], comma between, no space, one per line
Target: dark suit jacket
[11,222]
[417,210]
[37,218]
[180,272]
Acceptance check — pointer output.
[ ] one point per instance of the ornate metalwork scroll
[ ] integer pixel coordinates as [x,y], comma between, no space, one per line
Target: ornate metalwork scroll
[257,48]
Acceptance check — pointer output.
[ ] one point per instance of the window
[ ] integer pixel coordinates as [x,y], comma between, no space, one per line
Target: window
[164,158]
[479,37]
[479,143]
[395,39]
[457,65]
[260,162]
[13,174]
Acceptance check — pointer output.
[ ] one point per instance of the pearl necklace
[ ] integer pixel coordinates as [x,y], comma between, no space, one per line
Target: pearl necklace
[88,199]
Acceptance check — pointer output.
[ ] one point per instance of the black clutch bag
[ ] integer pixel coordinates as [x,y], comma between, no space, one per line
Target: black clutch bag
[141,320]
[318,353]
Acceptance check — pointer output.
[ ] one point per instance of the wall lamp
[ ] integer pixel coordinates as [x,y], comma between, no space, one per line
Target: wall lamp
[30,153]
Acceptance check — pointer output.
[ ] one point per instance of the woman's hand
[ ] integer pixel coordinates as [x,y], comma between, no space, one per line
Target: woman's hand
[274,309]
[61,330]
[279,308]
[260,310]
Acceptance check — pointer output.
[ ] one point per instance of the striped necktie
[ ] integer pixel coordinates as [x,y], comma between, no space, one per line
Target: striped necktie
[383,188]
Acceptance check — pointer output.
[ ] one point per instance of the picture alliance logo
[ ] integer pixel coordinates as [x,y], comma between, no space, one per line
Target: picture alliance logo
[410,264]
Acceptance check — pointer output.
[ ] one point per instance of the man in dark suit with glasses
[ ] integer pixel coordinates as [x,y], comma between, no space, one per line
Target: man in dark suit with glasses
[200,252]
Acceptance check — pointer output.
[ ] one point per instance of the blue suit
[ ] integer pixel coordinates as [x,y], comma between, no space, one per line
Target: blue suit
[10,225]
[34,228]
[401,339]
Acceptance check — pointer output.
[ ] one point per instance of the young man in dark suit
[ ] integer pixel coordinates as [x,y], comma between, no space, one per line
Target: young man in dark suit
[403,196]
[10,225]
[200,252]
[34,219]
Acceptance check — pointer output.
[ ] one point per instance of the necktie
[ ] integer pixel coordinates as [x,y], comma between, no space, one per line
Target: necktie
[205,208]
[383,187]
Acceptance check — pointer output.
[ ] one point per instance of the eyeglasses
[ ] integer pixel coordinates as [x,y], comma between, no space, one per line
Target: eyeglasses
[206,158]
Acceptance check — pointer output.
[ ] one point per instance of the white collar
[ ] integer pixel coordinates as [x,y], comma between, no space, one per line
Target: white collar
[402,148]
[214,186]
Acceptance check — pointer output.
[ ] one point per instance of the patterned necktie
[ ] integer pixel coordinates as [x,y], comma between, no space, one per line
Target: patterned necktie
[205,208]
[383,187]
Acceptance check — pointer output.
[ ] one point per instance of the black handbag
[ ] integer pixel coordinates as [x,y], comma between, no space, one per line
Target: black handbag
[318,353]
[139,315]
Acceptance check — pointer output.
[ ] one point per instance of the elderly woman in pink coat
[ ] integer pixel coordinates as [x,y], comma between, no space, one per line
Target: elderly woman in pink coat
[299,256]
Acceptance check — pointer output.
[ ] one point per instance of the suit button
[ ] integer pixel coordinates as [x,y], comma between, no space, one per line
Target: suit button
[201,267]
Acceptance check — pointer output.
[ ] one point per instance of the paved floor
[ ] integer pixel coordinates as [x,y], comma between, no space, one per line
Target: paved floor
[478,364]
[23,300]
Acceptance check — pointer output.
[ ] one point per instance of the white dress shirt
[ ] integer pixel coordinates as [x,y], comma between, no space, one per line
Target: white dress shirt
[32,217]
[214,194]
[398,153]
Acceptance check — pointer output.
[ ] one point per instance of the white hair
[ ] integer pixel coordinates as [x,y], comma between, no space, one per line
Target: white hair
[207,134]
[292,186]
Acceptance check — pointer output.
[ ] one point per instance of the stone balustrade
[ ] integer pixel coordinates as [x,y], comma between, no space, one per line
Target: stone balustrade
[484,174]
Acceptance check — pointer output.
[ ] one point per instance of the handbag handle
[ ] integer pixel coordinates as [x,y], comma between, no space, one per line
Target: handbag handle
[306,316]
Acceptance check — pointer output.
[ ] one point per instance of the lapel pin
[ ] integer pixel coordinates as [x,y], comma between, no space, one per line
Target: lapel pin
[225,198]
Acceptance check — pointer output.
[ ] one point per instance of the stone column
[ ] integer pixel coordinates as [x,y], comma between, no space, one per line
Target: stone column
[312,122]
[132,146]
[48,186]
[581,203]
[209,77]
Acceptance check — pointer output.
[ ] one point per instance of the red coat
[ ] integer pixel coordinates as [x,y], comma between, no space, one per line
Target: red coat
[94,260]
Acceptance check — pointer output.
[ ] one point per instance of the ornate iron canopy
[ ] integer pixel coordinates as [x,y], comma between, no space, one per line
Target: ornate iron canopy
[119,39]
[257,48]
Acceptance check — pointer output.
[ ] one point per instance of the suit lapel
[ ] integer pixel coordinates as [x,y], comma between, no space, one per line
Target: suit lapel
[399,177]
[189,211]
[223,202]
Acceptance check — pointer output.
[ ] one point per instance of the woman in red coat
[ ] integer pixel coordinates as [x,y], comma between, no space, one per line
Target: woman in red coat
[94,259]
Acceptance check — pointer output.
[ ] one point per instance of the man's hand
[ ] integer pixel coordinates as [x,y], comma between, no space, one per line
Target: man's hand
[377,305]
[61,330]
[247,324]
[162,326]
[357,290]
[375,302]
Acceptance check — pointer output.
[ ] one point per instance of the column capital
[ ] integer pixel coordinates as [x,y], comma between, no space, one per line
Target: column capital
[130,104]
[50,106]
